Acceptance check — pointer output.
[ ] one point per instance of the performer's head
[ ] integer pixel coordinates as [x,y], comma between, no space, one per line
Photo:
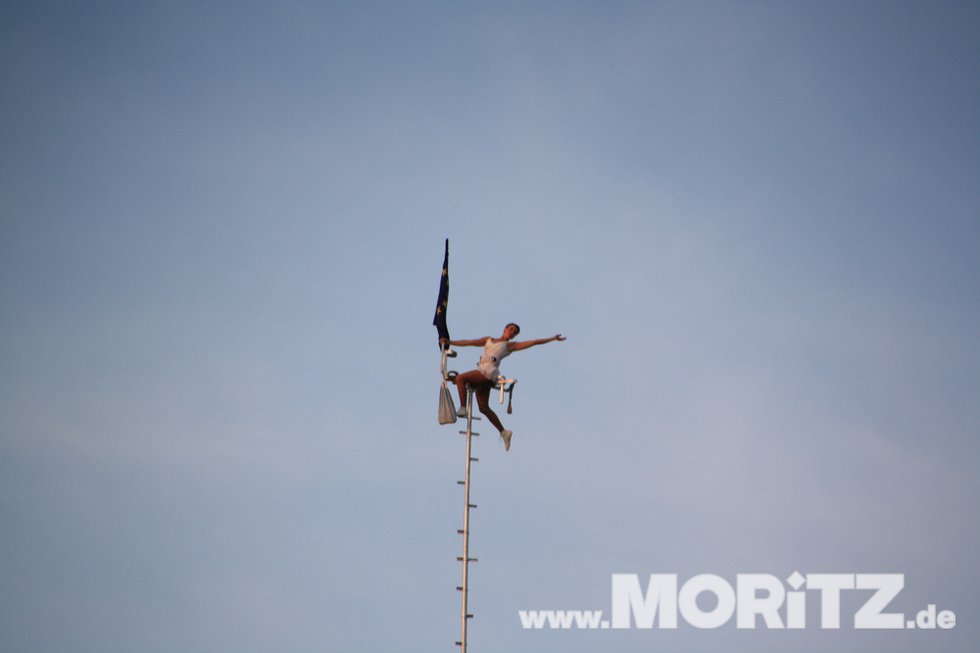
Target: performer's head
[511,330]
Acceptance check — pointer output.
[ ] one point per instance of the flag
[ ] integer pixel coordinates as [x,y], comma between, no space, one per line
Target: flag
[439,321]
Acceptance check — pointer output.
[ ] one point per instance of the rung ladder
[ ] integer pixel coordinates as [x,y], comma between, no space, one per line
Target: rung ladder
[465,559]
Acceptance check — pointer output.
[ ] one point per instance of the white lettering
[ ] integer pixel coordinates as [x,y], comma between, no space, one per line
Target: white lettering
[870,614]
[717,616]
[628,598]
[830,586]
[750,604]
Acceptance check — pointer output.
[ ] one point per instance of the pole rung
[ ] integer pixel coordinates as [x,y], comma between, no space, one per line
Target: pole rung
[459,643]
[469,616]
[460,482]
[460,531]
[472,505]
[459,589]
[476,460]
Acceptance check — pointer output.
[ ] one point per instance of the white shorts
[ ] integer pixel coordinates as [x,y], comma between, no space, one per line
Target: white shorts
[489,369]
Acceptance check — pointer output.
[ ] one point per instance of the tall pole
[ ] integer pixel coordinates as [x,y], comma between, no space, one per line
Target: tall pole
[466,559]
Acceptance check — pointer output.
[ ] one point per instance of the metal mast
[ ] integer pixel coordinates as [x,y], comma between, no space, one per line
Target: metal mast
[465,532]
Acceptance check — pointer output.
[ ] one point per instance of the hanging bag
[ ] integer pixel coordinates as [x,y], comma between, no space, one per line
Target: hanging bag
[447,409]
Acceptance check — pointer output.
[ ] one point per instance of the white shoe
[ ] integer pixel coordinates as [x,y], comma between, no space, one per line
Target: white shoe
[461,412]
[506,435]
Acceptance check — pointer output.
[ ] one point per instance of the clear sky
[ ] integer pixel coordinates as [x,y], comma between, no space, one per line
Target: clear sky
[221,230]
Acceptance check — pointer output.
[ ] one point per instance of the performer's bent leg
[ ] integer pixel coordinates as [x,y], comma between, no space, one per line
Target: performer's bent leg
[474,378]
[483,401]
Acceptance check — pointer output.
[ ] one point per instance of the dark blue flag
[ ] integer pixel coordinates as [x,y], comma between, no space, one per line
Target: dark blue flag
[443,304]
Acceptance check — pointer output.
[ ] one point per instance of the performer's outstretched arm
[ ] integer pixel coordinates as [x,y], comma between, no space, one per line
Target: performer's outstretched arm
[478,342]
[517,346]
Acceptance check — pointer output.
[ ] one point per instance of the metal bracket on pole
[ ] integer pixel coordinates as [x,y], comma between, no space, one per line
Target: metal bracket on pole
[502,382]
[506,386]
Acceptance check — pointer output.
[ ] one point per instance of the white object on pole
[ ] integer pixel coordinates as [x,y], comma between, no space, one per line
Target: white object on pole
[502,382]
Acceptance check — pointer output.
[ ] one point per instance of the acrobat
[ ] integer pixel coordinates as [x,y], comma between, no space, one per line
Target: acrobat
[488,370]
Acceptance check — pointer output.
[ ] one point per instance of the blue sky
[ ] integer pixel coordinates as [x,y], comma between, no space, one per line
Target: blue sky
[221,228]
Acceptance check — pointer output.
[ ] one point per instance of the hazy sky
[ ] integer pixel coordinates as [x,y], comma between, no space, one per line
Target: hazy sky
[221,229]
